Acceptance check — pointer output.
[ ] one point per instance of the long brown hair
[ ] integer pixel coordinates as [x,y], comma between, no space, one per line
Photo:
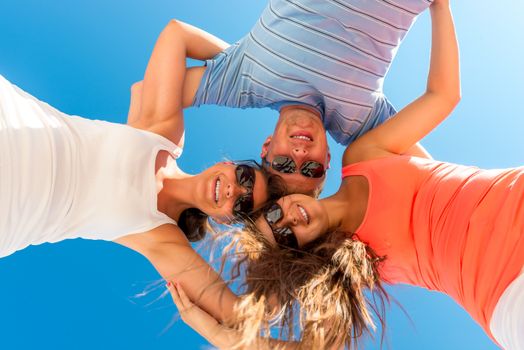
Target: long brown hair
[320,288]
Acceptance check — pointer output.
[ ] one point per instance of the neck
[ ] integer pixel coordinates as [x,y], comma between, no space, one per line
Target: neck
[336,206]
[344,209]
[284,111]
[175,189]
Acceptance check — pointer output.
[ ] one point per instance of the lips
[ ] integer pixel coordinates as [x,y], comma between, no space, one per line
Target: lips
[217,190]
[302,135]
[303,214]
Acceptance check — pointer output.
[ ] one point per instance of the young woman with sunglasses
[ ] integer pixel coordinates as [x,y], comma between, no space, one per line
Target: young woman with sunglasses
[67,177]
[396,219]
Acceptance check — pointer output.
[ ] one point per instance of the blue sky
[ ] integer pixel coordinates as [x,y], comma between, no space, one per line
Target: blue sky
[82,57]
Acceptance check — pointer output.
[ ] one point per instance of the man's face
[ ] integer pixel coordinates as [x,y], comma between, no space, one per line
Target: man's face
[300,136]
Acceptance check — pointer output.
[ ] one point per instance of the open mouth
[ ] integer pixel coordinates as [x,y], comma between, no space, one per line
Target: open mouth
[302,135]
[304,214]
[217,190]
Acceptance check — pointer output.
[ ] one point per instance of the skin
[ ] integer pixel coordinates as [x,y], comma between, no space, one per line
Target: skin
[157,105]
[298,120]
[293,120]
[346,209]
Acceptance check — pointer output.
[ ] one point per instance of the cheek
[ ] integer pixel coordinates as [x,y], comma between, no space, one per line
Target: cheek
[305,236]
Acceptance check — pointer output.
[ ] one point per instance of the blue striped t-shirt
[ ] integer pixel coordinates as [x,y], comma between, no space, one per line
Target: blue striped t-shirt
[332,55]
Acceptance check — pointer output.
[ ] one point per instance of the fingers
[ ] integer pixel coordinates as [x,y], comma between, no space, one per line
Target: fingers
[174,294]
[180,298]
[183,296]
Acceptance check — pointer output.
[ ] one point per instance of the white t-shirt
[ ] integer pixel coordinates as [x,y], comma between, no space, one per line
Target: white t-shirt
[66,177]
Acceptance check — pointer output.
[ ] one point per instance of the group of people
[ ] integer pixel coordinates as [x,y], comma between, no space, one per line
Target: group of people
[398,217]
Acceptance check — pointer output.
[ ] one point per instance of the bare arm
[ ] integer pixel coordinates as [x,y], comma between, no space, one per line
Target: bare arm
[209,304]
[168,250]
[168,86]
[134,104]
[418,151]
[215,333]
[402,131]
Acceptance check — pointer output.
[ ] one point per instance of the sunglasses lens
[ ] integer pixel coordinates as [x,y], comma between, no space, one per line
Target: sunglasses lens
[243,205]
[245,176]
[286,237]
[274,214]
[284,164]
[312,169]
[283,235]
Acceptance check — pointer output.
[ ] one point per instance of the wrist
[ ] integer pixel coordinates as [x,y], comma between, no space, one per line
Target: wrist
[440,5]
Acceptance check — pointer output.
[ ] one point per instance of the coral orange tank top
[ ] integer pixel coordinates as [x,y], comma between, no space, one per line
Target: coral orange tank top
[446,227]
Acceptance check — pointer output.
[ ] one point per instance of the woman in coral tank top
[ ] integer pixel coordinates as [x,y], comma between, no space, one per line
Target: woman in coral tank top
[396,219]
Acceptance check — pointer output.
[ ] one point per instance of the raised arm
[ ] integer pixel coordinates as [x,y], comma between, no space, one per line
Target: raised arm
[407,127]
[169,86]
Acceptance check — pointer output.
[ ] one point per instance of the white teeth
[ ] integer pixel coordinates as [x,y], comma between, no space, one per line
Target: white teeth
[304,214]
[302,137]
[217,191]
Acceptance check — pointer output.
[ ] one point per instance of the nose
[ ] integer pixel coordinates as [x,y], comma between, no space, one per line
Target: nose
[299,153]
[234,190]
[289,220]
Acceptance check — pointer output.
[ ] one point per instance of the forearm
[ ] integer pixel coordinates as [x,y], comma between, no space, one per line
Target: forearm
[443,77]
[416,120]
[169,86]
[203,284]
[200,44]
[175,260]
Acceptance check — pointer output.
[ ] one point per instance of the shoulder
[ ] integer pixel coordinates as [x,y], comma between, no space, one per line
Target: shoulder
[356,153]
[151,241]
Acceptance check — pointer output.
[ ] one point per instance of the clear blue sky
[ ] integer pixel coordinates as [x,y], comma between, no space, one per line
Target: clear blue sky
[82,56]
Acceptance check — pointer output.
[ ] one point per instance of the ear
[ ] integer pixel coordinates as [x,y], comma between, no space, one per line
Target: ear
[265,146]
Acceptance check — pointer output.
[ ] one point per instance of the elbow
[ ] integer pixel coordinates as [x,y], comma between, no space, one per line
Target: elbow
[175,25]
[452,98]
[455,97]
[136,88]
[449,97]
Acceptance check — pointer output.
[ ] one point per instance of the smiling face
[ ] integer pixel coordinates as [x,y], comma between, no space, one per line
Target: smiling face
[305,216]
[223,187]
[299,135]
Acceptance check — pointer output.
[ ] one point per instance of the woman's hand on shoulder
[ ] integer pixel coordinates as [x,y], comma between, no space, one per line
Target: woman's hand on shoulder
[168,249]
[201,321]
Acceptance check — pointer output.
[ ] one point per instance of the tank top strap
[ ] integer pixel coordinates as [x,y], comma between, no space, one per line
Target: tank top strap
[167,145]
[356,169]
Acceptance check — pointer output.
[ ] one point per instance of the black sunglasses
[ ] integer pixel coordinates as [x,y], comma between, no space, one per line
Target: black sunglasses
[286,165]
[245,176]
[283,235]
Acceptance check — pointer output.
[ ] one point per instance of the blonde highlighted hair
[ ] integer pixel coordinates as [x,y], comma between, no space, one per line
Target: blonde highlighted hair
[320,289]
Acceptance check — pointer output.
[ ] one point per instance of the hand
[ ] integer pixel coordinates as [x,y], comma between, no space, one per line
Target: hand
[202,322]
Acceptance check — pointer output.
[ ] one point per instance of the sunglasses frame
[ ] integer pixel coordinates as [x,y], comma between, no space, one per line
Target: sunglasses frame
[284,236]
[248,197]
[292,165]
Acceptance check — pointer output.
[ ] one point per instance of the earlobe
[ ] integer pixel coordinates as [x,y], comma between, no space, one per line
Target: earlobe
[265,147]
[328,159]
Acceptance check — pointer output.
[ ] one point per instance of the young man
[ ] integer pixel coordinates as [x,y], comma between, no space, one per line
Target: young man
[320,63]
